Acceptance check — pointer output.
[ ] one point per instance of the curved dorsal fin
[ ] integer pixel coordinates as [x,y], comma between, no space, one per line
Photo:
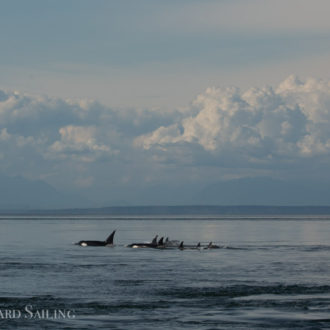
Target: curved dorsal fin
[199,244]
[109,240]
[210,244]
[161,241]
[154,241]
[181,245]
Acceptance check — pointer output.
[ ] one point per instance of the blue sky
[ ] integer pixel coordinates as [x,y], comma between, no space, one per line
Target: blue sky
[103,97]
[158,53]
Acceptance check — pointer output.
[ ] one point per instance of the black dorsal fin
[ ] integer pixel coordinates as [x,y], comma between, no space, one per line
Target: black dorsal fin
[154,241]
[210,244]
[166,241]
[199,244]
[161,241]
[181,245]
[110,238]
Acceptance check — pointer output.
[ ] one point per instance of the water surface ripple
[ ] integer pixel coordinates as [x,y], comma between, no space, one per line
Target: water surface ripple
[268,273]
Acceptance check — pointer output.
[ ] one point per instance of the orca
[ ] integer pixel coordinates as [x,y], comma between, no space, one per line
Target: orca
[171,243]
[190,247]
[153,244]
[212,246]
[161,244]
[107,242]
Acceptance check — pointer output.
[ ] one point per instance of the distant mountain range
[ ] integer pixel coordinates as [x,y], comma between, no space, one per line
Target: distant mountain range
[264,191]
[251,194]
[19,193]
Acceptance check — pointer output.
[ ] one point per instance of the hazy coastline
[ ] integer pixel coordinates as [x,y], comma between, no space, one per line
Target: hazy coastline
[180,210]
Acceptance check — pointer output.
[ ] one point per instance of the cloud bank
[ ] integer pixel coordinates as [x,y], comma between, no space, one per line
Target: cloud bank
[223,133]
[260,125]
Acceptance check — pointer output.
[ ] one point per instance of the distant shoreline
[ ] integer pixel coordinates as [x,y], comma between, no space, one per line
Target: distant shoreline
[180,210]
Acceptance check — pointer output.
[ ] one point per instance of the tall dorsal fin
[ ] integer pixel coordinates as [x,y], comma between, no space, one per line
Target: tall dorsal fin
[166,241]
[109,240]
[199,244]
[181,245]
[210,244]
[154,241]
[161,241]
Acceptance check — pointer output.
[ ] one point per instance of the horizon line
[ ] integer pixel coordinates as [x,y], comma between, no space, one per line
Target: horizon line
[169,210]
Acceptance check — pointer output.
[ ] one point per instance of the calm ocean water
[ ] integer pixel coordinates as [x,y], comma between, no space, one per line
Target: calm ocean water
[271,272]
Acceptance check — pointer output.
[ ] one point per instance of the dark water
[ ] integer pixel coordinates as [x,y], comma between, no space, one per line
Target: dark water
[272,273]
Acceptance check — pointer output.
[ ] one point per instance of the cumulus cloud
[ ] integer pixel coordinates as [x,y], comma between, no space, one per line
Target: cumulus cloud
[54,128]
[78,140]
[225,132]
[82,129]
[66,141]
[288,122]
[161,136]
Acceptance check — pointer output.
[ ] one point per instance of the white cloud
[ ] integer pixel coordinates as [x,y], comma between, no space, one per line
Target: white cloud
[289,122]
[38,133]
[161,136]
[225,132]
[4,135]
[57,139]
[79,142]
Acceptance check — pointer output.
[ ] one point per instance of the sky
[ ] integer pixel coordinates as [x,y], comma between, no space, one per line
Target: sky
[150,102]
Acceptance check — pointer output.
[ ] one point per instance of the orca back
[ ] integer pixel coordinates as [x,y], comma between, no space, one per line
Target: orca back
[91,243]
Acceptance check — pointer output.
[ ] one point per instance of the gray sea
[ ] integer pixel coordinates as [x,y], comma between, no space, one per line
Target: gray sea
[271,272]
